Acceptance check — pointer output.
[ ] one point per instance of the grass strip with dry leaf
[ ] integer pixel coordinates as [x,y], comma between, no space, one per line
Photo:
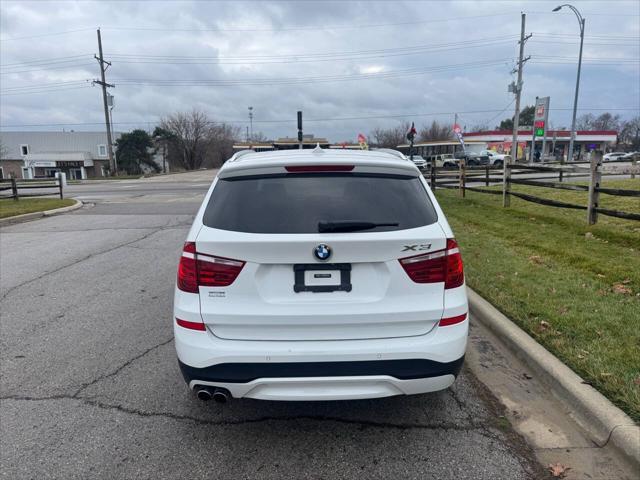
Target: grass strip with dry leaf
[575,288]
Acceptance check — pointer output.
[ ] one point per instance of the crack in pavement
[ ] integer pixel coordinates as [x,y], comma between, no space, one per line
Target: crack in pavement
[87,257]
[120,368]
[482,429]
[84,386]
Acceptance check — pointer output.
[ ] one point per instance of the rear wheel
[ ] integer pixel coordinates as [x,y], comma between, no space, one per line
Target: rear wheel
[472,163]
[498,163]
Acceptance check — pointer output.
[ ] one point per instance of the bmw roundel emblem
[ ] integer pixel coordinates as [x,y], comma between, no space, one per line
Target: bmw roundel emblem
[322,252]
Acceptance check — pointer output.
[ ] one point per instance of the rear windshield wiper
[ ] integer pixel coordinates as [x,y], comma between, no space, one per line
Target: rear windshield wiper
[351,226]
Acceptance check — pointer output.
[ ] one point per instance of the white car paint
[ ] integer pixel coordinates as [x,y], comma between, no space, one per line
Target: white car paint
[419,162]
[347,339]
[495,157]
[609,157]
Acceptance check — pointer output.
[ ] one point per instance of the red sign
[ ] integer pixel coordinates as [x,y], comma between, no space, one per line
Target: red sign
[539,124]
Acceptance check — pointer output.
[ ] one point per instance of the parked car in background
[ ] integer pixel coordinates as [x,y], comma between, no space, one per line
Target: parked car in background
[443,160]
[319,275]
[495,158]
[419,162]
[473,159]
[609,157]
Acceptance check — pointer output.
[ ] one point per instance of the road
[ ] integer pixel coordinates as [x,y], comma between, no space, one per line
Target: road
[91,388]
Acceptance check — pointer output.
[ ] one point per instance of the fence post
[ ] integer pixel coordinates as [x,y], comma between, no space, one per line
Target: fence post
[462,177]
[14,189]
[594,189]
[60,186]
[486,176]
[433,175]
[506,185]
[634,162]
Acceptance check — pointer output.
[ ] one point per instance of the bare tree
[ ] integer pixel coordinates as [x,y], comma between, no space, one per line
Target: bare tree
[190,133]
[258,137]
[3,150]
[196,141]
[605,121]
[630,133]
[435,131]
[585,121]
[390,137]
[222,136]
[480,127]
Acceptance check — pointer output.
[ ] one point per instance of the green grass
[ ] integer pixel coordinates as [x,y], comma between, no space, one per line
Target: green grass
[575,288]
[10,207]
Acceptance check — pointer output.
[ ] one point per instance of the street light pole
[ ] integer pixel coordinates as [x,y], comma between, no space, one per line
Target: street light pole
[575,98]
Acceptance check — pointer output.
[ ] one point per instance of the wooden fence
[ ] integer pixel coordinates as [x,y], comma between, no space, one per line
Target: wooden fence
[512,174]
[14,187]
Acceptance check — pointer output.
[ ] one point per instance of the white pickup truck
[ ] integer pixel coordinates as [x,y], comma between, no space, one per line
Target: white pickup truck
[495,158]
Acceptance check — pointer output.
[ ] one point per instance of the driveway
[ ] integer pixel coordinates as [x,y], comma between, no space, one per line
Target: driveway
[91,387]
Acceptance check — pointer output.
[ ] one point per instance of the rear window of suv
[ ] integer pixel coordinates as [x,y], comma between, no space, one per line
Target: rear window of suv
[296,203]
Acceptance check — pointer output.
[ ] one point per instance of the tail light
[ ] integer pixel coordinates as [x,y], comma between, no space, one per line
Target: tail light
[441,266]
[199,269]
[445,322]
[191,325]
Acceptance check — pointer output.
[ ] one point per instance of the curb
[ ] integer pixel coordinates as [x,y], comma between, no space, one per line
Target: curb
[35,215]
[600,418]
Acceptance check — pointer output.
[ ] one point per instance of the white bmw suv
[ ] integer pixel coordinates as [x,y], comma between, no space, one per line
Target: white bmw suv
[319,275]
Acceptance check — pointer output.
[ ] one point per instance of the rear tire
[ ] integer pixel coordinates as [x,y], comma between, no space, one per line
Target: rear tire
[497,163]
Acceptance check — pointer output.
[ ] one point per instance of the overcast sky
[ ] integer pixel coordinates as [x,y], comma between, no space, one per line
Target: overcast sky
[385,61]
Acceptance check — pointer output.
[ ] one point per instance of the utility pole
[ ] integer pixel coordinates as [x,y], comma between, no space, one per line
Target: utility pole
[103,83]
[251,123]
[516,118]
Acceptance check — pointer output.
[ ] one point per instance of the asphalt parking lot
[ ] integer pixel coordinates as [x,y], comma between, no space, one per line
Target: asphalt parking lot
[91,386]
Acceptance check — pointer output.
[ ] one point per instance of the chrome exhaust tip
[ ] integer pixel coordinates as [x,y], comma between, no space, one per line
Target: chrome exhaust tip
[220,395]
[204,394]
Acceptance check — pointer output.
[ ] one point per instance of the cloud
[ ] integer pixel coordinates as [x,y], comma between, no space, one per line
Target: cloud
[385,58]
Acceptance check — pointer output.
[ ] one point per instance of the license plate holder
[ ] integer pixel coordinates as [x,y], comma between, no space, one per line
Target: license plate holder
[320,271]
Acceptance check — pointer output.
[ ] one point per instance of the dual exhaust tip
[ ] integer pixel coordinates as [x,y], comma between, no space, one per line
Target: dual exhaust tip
[219,395]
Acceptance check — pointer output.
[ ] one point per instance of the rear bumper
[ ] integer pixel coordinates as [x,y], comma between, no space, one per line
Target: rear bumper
[323,370]
[409,369]
[330,388]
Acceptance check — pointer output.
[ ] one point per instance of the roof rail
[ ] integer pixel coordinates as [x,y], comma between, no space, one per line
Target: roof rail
[241,153]
[391,151]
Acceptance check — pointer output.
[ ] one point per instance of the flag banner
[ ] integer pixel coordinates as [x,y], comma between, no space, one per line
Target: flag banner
[458,133]
[411,134]
[362,141]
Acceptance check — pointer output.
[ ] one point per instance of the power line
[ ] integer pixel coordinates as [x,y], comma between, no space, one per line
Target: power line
[274,81]
[501,111]
[47,69]
[295,58]
[8,39]
[68,58]
[325,119]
